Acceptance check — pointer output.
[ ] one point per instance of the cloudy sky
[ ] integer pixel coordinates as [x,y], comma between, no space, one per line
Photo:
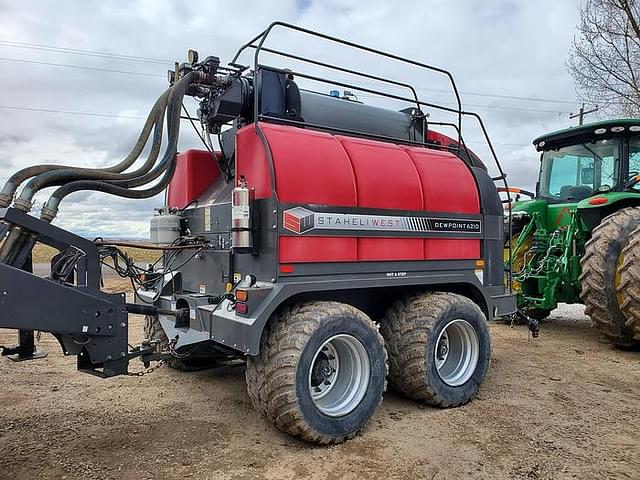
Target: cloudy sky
[79,76]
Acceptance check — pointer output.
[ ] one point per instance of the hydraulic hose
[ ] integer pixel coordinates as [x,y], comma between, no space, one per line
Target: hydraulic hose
[167,164]
[23,241]
[173,125]
[63,175]
[171,101]
[50,209]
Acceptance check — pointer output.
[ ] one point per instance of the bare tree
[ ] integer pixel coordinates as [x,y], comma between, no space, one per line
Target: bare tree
[605,56]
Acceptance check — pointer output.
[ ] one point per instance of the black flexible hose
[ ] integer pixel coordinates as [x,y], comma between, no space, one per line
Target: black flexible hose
[173,126]
[17,240]
[63,175]
[49,211]
[167,164]
[10,187]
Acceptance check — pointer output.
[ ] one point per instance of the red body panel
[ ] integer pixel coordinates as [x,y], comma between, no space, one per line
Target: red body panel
[311,167]
[317,249]
[451,248]
[318,168]
[376,188]
[447,183]
[195,172]
[251,161]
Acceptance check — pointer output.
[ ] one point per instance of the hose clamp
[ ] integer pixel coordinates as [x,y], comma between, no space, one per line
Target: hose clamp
[48,214]
[5,200]
[22,204]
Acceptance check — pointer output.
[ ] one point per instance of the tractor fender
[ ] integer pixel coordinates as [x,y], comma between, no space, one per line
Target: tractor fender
[593,209]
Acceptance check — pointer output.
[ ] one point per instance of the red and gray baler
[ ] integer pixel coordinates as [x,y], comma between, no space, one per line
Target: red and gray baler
[330,243]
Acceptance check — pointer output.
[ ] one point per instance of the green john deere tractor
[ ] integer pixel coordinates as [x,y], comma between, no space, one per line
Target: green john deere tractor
[567,241]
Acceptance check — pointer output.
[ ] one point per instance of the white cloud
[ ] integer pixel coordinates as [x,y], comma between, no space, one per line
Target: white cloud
[501,47]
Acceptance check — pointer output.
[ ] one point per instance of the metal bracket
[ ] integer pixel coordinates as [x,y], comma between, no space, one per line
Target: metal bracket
[25,350]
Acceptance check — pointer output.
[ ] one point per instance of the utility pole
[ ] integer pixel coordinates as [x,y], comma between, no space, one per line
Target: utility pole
[580,115]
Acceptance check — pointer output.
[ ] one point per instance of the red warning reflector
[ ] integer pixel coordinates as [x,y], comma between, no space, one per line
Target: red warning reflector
[286,269]
[598,200]
[242,308]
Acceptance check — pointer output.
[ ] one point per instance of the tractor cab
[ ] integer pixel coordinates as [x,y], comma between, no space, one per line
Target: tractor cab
[575,172]
[580,162]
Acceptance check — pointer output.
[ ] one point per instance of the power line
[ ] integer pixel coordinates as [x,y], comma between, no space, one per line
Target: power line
[78,51]
[127,72]
[82,67]
[473,94]
[476,105]
[69,112]
[134,58]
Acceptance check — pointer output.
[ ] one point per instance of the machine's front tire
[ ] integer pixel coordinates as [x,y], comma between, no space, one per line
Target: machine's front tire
[153,331]
[599,279]
[320,373]
[629,286]
[425,367]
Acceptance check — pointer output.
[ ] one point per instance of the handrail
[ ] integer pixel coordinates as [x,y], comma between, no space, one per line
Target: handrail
[343,69]
[262,37]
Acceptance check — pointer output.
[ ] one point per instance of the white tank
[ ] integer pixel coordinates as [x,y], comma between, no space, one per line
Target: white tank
[165,228]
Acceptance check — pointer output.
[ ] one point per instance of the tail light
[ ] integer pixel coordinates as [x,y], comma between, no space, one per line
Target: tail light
[242,308]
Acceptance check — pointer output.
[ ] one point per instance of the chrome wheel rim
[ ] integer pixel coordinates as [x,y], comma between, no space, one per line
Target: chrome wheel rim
[339,375]
[457,352]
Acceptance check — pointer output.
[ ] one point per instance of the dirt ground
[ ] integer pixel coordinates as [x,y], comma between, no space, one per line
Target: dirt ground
[564,406]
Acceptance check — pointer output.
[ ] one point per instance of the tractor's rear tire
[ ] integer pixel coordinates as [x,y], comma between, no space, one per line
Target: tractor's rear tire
[424,367]
[629,286]
[320,373]
[153,331]
[599,279]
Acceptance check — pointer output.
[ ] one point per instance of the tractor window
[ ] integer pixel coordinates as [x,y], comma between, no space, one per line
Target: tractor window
[575,172]
[634,159]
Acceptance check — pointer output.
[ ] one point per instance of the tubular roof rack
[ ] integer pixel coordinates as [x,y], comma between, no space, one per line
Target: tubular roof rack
[258,42]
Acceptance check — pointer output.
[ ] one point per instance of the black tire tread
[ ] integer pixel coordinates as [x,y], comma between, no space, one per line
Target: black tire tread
[406,329]
[629,288]
[271,375]
[600,306]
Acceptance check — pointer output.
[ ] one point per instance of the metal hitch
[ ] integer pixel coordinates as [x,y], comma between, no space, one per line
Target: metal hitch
[87,322]
[532,324]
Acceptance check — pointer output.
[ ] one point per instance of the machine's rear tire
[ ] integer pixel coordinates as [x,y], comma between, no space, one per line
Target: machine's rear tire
[598,279]
[320,373]
[629,286]
[153,331]
[414,328]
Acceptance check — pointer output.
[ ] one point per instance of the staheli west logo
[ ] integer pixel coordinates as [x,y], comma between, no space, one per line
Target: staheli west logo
[301,220]
[298,220]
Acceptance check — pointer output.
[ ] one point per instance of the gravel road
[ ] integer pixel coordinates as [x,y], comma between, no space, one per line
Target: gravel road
[566,405]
